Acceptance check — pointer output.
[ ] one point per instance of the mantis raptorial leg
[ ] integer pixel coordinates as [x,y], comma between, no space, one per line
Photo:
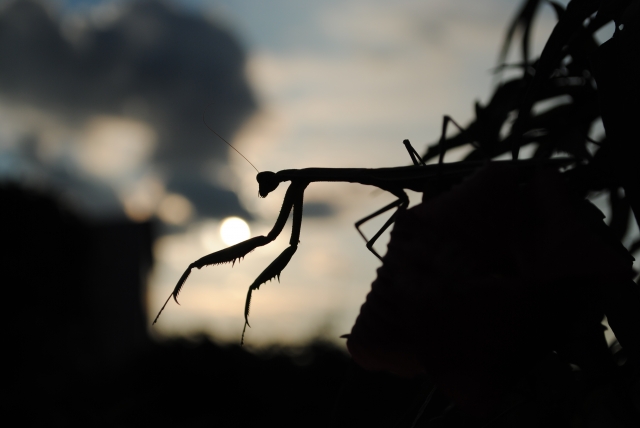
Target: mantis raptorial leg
[296,192]
[292,198]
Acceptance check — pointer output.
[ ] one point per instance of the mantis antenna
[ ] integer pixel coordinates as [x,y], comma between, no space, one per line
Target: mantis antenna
[228,143]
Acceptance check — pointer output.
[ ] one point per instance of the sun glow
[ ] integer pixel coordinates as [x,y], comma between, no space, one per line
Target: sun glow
[234,230]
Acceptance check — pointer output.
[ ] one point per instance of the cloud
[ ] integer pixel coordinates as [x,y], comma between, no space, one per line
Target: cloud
[146,62]
[378,73]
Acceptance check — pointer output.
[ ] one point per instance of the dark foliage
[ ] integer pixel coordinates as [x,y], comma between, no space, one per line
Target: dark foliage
[581,83]
[588,83]
[552,109]
[198,383]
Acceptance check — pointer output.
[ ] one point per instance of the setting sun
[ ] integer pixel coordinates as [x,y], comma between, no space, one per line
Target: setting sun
[234,230]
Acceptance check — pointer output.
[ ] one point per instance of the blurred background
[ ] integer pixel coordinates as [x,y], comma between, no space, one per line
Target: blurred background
[101,102]
[113,184]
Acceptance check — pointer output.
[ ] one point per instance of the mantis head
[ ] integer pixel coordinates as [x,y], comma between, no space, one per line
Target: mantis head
[267,183]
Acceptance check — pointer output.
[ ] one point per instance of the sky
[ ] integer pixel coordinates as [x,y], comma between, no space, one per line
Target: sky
[110,110]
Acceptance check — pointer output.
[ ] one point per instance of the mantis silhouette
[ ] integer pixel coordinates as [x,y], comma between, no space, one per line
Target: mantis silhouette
[419,177]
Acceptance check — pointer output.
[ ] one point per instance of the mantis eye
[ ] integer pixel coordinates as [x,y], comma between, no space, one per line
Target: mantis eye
[267,183]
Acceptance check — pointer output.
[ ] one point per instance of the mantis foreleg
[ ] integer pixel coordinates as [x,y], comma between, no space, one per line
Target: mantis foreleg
[238,251]
[296,193]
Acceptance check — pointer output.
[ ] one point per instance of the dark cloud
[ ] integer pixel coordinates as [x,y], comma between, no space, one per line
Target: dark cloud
[318,209]
[211,200]
[152,63]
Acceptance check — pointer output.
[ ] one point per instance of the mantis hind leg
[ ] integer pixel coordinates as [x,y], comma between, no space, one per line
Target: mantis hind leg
[402,202]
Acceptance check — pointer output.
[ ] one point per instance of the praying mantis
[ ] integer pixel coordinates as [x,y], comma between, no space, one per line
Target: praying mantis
[483,134]
[419,177]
